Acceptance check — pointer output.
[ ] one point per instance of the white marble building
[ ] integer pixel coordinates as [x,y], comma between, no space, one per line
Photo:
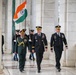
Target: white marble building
[44,13]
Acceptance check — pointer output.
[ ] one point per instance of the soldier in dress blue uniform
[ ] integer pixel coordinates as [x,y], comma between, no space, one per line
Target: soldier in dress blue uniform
[21,44]
[57,40]
[39,45]
[30,37]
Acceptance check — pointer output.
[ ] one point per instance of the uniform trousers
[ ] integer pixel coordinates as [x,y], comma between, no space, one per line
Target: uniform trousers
[58,54]
[39,56]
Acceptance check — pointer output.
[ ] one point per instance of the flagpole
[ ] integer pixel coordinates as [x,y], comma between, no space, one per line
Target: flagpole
[25,19]
[41,11]
[13,23]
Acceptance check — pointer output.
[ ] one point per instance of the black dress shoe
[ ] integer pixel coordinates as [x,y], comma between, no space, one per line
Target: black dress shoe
[38,71]
[59,70]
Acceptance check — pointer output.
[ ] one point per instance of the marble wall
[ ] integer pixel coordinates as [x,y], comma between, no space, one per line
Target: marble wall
[36,14]
[67,21]
[71,31]
[1,66]
[8,31]
[62,22]
[48,17]
[67,17]
[48,23]
[28,19]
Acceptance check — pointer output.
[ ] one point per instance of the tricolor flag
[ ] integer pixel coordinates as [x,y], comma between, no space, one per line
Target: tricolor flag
[21,13]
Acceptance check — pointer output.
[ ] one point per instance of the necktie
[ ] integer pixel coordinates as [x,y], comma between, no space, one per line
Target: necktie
[58,34]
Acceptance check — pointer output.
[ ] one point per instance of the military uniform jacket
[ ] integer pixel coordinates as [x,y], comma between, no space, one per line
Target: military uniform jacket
[57,41]
[21,45]
[39,42]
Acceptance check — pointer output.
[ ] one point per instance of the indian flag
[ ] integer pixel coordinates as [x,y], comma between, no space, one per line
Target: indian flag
[21,13]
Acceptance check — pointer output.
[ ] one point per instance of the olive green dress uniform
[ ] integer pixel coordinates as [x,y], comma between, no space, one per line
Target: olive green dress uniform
[39,44]
[57,41]
[21,46]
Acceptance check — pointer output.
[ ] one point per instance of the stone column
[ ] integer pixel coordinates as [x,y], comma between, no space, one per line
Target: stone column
[38,13]
[1,69]
[62,21]
[71,30]
[48,23]
[68,23]
[33,15]
[4,14]
[35,19]
[9,27]
[56,19]
[5,26]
